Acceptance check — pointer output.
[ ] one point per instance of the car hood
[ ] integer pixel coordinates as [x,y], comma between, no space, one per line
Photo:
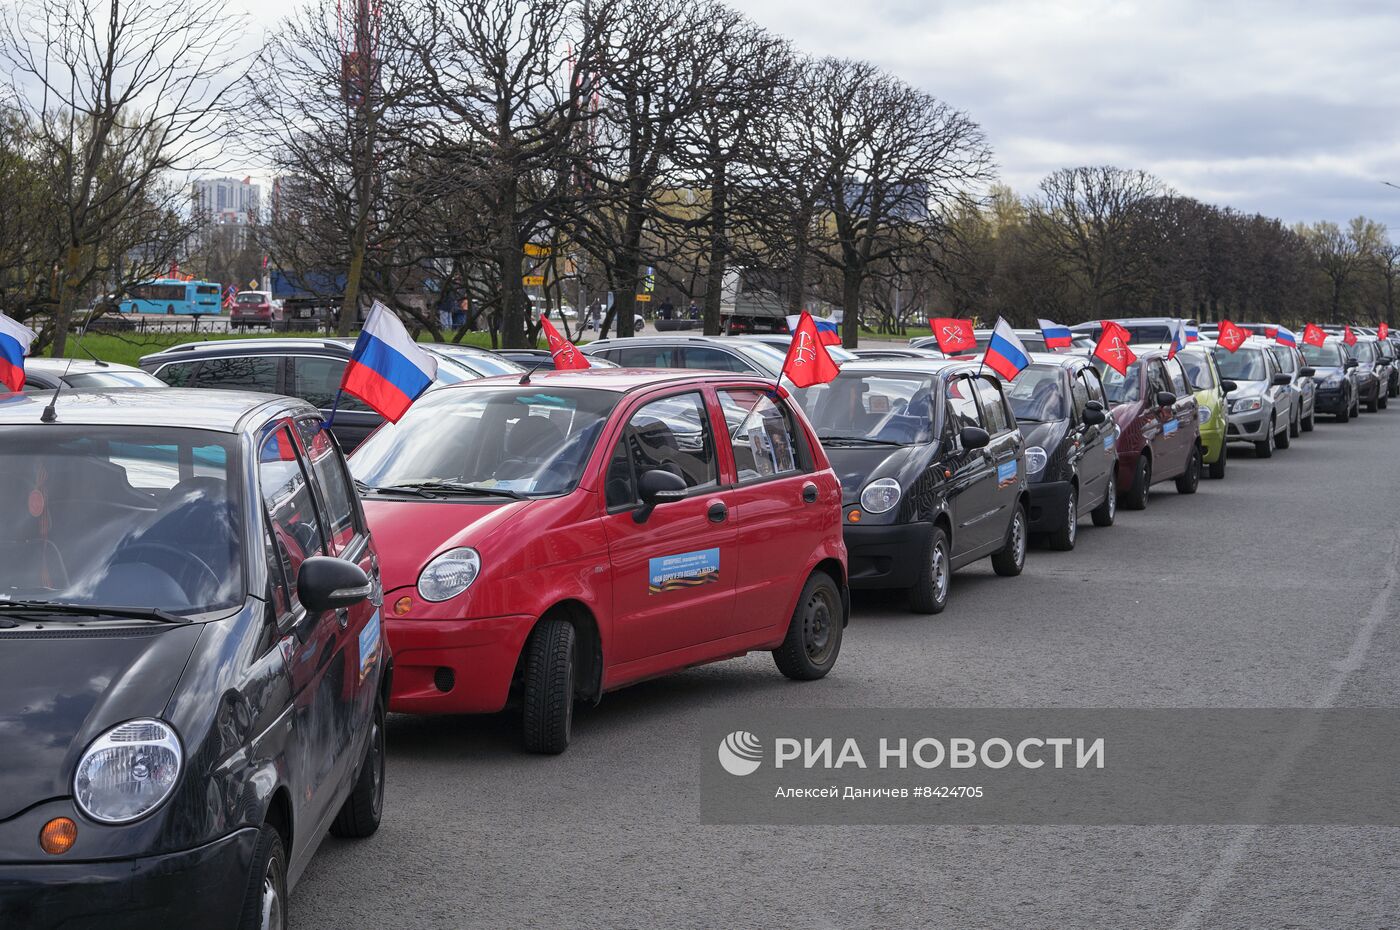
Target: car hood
[1326,374]
[858,466]
[1249,389]
[63,687]
[409,533]
[1048,435]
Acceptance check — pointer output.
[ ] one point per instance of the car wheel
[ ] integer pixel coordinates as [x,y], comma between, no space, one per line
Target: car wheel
[1373,404]
[1012,557]
[1283,438]
[1217,468]
[1394,390]
[930,592]
[1344,413]
[1295,426]
[265,900]
[359,815]
[1108,508]
[1382,400]
[1136,498]
[169,310]
[1188,481]
[548,698]
[1264,448]
[1063,538]
[1308,422]
[814,633]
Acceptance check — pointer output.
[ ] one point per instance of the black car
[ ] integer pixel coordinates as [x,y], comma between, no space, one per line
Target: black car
[307,368]
[195,672]
[1372,371]
[932,469]
[1071,445]
[542,360]
[1334,373]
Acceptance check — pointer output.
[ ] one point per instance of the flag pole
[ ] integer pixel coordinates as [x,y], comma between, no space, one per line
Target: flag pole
[326,423]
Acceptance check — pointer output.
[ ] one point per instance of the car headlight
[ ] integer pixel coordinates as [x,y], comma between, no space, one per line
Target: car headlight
[1246,404]
[1035,460]
[128,771]
[1203,413]
[880,495]
[1334,382]
[449,574]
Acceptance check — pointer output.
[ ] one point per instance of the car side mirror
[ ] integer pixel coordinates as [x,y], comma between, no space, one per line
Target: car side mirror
[326,583]
[1165,398]
[1229,387]
[1093,416]
[1307,372]
[1282,380]
[1092,404]
[656,487]
[974,437]
[1350,364]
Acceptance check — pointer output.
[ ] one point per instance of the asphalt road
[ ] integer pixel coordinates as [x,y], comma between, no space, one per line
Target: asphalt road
[1272,588]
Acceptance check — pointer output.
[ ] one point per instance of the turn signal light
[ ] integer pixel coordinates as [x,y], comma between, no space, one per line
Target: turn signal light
[853,516]
[403,605]
[58,836]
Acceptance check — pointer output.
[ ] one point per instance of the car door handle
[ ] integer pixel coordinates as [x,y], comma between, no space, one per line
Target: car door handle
[809,493]
[718,512]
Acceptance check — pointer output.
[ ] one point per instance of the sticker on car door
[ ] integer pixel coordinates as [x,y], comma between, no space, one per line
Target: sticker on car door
[684,570]
[369,645]
[1006,473]
[1169,427]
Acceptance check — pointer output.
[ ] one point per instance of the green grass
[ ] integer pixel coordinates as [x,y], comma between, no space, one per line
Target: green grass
[127,348]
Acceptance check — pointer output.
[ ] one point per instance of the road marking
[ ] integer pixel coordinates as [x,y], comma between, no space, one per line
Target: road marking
[1193,917]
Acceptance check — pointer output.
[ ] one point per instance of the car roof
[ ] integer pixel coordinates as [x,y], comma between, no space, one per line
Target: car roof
[620,380]
[1062,359]
[920,365]
[181,408]
[1132,321]
[666,338]
[221,346]
[74,366]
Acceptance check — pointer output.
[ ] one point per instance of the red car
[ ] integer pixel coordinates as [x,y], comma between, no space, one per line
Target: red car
[1159,436]
[552,537]
[251,308]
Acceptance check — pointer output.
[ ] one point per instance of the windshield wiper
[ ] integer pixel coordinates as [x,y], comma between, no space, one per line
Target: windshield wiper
[91,610]
[862,440]
[453,487]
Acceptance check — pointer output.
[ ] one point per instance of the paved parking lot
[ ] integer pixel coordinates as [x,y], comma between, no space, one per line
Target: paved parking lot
[1272,588]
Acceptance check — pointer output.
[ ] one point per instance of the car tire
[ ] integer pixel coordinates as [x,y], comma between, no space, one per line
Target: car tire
[1188,481]
[1283,438]
[929,595]
[1295,425]
[265,900]
[359,815]
[1382,400]
[1062,540]
[813,638]
[1137,494]
[547,701]
[1373,404]
[1104,514]
[1344,413]
[1011,558]
[1264,448]
[1217,468]
[1308,423]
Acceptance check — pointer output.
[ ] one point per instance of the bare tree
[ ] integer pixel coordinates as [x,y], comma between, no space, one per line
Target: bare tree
[1343,255]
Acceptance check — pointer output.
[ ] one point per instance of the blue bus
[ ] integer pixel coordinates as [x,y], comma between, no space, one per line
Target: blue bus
[172,296]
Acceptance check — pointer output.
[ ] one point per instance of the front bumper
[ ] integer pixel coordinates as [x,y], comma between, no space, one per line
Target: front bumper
[1248,427]
[886,556]
[1329,401]
[201,887]
[1212,442]
[454,666]
[1049,505]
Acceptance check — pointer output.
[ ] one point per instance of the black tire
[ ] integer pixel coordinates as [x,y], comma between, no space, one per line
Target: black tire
[1135,498]
[1217,468]
[1062,540]
[929,595]
[547,702]
[265,900]
[1107,511]
[1373,404]
[1188,481]
[1308,423]
[360,814]
[1295,425]
[813,638]
[1264,448]
[1394,387]
[1344,413]
[1283,438]
[1382,400]
[1011,558]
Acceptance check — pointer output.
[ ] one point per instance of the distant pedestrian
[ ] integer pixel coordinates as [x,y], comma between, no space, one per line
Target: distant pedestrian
[694,311]
[666,309]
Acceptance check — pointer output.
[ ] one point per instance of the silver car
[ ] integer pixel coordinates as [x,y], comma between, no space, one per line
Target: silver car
[1262,405]
[1291,362]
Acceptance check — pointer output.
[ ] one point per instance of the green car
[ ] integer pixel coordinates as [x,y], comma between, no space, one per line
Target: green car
[1210,390]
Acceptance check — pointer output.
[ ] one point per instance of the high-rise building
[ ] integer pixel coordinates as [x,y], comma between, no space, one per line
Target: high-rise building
[228,201]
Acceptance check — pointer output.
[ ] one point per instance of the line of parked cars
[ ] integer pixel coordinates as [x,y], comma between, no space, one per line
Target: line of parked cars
[208,610]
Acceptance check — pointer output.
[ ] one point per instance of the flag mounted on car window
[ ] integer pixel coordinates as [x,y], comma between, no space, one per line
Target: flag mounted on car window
[566,355]
[1313,335]
[807,361]
[1285,336]
[954,336]
[828,328]
[387,369]
[1178,339]
[1055,335]
[1348,336]
[1005,354]
[1383,331]
[1112,348]
[15,339]
[1230,336]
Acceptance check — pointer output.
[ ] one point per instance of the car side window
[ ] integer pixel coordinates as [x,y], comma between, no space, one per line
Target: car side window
[239,373]
[329,469]
[178,374]
[1079,394]
[712,359]
[643,357]
[1093,385]
[761,434]
[994,413]
[286,496]
[1178,376]
[1157,378]
[316,381]
[672,434]
[962,404]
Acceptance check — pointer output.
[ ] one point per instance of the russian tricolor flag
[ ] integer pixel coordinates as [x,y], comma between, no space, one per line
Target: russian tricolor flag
[1286,336]
[1178,339]
[1193,334]
[1056,336]
[15,340]
[1005,354]
[387,370]
[828,328]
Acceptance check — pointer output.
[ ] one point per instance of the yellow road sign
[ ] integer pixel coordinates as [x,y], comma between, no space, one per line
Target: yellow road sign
[538,251]
[643,297]
[534,280]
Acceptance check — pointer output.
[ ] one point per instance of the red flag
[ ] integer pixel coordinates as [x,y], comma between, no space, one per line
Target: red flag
[567,357]
[1313,335]
[1113,349]
[807,361]
[1230,336]
[1383,331]
[1348,336]
[953,335]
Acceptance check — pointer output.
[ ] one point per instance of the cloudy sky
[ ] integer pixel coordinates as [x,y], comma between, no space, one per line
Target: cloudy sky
[1287,108]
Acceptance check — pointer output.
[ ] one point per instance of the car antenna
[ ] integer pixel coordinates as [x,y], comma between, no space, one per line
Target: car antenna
[525,378]
[50,414]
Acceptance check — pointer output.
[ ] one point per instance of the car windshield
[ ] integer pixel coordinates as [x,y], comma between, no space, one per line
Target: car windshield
[1032,343]
[876,407]
[1241,365]
[1119,389]
[484,363]
[111,379]
[1323,356]
[135,517]
[517,439]
[1362,351]
[1037,394]
[1197,370]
